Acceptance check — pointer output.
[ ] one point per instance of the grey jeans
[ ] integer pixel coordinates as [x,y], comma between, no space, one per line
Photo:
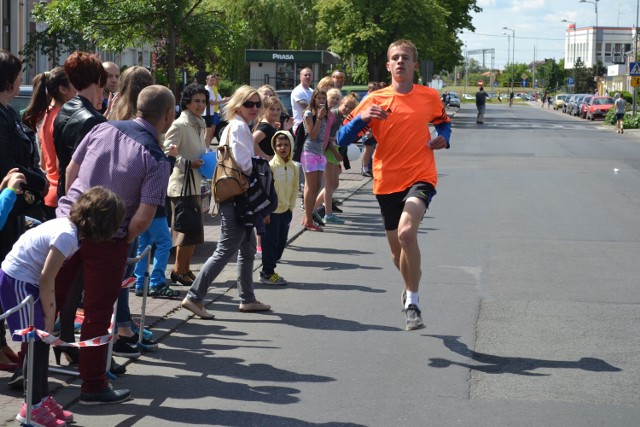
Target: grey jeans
[233,240]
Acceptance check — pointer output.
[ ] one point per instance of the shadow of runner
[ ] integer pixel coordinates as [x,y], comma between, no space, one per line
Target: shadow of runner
[512,365]
[181,416]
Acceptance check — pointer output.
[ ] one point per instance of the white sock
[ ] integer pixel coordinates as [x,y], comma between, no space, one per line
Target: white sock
[412,298]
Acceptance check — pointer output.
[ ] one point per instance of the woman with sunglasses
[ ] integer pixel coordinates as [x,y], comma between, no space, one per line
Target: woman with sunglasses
[235,240]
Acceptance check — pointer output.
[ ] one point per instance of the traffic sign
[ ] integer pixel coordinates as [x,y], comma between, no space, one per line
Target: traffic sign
[634,69]
[495,84]
[524,83]
[635,81]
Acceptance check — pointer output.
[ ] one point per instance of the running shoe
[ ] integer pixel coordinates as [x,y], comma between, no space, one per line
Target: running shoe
[414,319]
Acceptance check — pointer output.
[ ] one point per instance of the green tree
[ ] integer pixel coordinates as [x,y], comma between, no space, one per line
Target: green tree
[114,25]
[265,24]
[368,27]
[583,78]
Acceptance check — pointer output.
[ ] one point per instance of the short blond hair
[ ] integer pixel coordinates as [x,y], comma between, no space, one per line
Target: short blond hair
[334,92]
[403,43]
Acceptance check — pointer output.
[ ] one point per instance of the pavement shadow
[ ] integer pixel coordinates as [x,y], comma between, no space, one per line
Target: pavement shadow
[194,416]
[335,251]
[492,364]
[331,265]
[305,286]
[307,321]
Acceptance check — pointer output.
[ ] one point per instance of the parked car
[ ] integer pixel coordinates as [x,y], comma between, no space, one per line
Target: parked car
[574,104]
[285,98]
[524,96]
[359,90]
[567,102]
[582,106]
[559,100]
[20,101]
[454,101]
[599,106]
[467,96]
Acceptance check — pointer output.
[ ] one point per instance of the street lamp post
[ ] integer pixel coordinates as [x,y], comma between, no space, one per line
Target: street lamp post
[574,51]
[595,3]
[635,58]
[513,54]
[508,46]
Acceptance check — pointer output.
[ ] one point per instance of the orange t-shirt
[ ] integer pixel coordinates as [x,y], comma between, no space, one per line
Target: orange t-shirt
[403,156]
[49,160]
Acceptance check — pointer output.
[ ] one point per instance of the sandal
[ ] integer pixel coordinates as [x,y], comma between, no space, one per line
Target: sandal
[164,292]
[183,279]
[191,275]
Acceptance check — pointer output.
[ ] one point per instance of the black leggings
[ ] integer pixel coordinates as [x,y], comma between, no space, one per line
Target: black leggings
[40,388]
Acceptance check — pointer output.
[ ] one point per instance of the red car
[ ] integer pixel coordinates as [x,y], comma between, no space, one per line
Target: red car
[583,106]
[598,107]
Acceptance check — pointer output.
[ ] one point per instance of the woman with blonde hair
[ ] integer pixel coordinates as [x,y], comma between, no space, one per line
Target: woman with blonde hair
[266,91]
[267,127]
[326,83]
[235,239]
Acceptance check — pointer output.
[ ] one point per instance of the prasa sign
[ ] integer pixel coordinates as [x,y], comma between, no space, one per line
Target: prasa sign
[282,57]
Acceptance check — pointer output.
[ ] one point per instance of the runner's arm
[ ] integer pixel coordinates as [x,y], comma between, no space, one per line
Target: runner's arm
[444,129]
[349,133]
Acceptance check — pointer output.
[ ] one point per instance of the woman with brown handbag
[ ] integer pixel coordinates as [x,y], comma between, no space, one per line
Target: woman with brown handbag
[235,240]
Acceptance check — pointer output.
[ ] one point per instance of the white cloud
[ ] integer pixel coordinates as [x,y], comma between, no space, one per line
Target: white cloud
[517,5]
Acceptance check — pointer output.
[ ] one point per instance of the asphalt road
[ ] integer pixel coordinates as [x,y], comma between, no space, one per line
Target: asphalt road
[530,295]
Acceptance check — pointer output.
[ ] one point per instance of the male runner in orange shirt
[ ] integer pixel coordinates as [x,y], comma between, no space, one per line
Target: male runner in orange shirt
[404,168]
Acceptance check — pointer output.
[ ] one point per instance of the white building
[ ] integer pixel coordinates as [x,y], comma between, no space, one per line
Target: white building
[606,44]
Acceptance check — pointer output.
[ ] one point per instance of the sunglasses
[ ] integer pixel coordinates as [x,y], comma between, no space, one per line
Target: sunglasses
[251,104]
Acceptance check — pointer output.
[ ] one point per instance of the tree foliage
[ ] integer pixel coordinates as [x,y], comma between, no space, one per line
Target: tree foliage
[206,33]
[113,25]
[367,27]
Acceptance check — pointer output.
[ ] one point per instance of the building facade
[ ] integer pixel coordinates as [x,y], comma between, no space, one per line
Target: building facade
[592,44]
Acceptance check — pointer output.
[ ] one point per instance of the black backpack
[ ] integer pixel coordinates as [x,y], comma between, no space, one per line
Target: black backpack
[299,138]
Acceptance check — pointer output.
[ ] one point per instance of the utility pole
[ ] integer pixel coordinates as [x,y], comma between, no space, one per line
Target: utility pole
[635,59]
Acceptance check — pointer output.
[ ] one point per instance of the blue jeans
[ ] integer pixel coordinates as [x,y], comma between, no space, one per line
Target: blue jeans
[123,313]
[158,233]
[235,240]
[274,241]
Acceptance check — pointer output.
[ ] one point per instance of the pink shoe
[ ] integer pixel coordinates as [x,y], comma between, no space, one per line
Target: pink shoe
[57,409]
[40,417]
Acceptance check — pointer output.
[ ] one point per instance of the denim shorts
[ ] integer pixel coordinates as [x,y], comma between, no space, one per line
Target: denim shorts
[313,162]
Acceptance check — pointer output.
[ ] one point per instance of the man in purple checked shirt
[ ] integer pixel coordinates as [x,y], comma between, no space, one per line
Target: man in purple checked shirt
[126,157]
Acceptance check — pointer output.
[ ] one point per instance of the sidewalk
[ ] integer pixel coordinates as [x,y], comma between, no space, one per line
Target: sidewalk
[158,309]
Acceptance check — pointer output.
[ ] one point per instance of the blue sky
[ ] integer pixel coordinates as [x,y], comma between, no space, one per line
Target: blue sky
[538,26]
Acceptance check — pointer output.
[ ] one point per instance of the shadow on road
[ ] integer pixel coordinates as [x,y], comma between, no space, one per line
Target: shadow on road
[493,364]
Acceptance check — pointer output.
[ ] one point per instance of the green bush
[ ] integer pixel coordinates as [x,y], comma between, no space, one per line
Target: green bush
[630,121]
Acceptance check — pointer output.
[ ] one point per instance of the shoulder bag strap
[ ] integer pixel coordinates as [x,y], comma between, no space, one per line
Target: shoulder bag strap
[185,181]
